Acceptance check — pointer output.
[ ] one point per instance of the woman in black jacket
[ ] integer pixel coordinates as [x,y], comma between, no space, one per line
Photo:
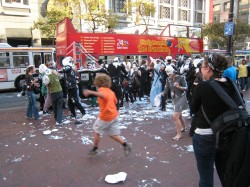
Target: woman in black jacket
[205,97]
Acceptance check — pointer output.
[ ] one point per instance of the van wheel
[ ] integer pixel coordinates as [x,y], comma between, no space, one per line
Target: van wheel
[20,82]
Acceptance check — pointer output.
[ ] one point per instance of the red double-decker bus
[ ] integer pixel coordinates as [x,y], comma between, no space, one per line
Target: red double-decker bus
[174,40]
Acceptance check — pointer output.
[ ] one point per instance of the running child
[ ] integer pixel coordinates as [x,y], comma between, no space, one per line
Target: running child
[107,120]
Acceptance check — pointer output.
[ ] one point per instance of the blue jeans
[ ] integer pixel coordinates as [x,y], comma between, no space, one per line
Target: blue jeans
[32,106]
[243,83]
[204,150]
[57,103]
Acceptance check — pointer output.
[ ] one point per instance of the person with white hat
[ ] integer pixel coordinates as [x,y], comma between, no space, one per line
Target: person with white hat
[117,71]
[178,87]
[51,79]
[72,86]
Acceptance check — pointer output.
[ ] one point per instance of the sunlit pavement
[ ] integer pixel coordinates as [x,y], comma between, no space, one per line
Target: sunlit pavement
[30,158]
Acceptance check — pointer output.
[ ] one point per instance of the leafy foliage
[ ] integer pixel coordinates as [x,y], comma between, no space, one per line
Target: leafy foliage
[215,33]
[96,13]
[143,8]
[110,19]
[47,25]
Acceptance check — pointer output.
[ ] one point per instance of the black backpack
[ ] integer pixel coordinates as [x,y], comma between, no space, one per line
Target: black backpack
[231,130]
[231,120]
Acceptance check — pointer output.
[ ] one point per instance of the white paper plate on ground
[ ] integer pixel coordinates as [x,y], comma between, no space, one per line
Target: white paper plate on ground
[116,178]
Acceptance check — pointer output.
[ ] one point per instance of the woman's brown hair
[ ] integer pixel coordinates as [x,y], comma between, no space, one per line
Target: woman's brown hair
[29,69]
[218,63]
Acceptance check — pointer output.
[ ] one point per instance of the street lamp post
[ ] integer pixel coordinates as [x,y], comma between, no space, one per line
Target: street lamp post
[230,19]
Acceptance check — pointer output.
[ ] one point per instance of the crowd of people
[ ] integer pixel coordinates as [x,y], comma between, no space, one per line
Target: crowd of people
[173,79]
[183,82]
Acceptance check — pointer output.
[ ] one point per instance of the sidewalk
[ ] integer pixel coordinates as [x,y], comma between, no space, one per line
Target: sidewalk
[28,158]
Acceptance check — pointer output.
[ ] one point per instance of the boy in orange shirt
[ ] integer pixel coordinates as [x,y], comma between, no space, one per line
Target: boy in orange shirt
[107,120]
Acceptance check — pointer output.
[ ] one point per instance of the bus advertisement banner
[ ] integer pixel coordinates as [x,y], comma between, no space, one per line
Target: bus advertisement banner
[99,44]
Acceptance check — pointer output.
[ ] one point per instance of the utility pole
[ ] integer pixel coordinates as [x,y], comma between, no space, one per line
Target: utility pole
[230,19]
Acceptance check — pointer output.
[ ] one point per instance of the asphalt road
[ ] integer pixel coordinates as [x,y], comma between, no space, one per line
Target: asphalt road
[11,100]
[28,157]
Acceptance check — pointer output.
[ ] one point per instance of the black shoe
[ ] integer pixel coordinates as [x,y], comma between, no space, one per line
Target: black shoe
[163,109]
[127,149]
[78,123]
[92,152]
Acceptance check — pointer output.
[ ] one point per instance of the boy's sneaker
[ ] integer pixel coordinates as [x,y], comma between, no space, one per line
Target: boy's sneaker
[92,152]
[127,149]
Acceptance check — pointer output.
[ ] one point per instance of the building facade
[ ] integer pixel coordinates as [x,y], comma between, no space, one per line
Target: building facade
[241,12]
[17,18]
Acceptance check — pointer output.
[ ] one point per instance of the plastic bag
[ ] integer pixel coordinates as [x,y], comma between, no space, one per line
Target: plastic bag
[157,100]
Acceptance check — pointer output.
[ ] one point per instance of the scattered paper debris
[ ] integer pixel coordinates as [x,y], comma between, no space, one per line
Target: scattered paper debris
[47,132]
[190,148]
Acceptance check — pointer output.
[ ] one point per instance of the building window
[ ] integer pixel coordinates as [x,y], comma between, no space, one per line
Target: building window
[243,2]
[216,8]
[216,18]
[226,6]
[120,5]
[16,3]
[199,17]
[183,15]
[117,5]
[200,11]
[167,9]
[184,10]
[199,5]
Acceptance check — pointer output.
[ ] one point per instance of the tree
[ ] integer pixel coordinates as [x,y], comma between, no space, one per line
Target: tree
[96,14]
[47,25]
[110,19]
[215,34]
[144,9]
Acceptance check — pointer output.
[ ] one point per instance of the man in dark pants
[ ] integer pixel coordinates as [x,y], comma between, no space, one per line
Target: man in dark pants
[163,79]
[71,82]
[143,79]
[117,71]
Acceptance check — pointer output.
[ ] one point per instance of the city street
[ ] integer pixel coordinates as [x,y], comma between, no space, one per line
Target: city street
[9,99]
[30,158]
